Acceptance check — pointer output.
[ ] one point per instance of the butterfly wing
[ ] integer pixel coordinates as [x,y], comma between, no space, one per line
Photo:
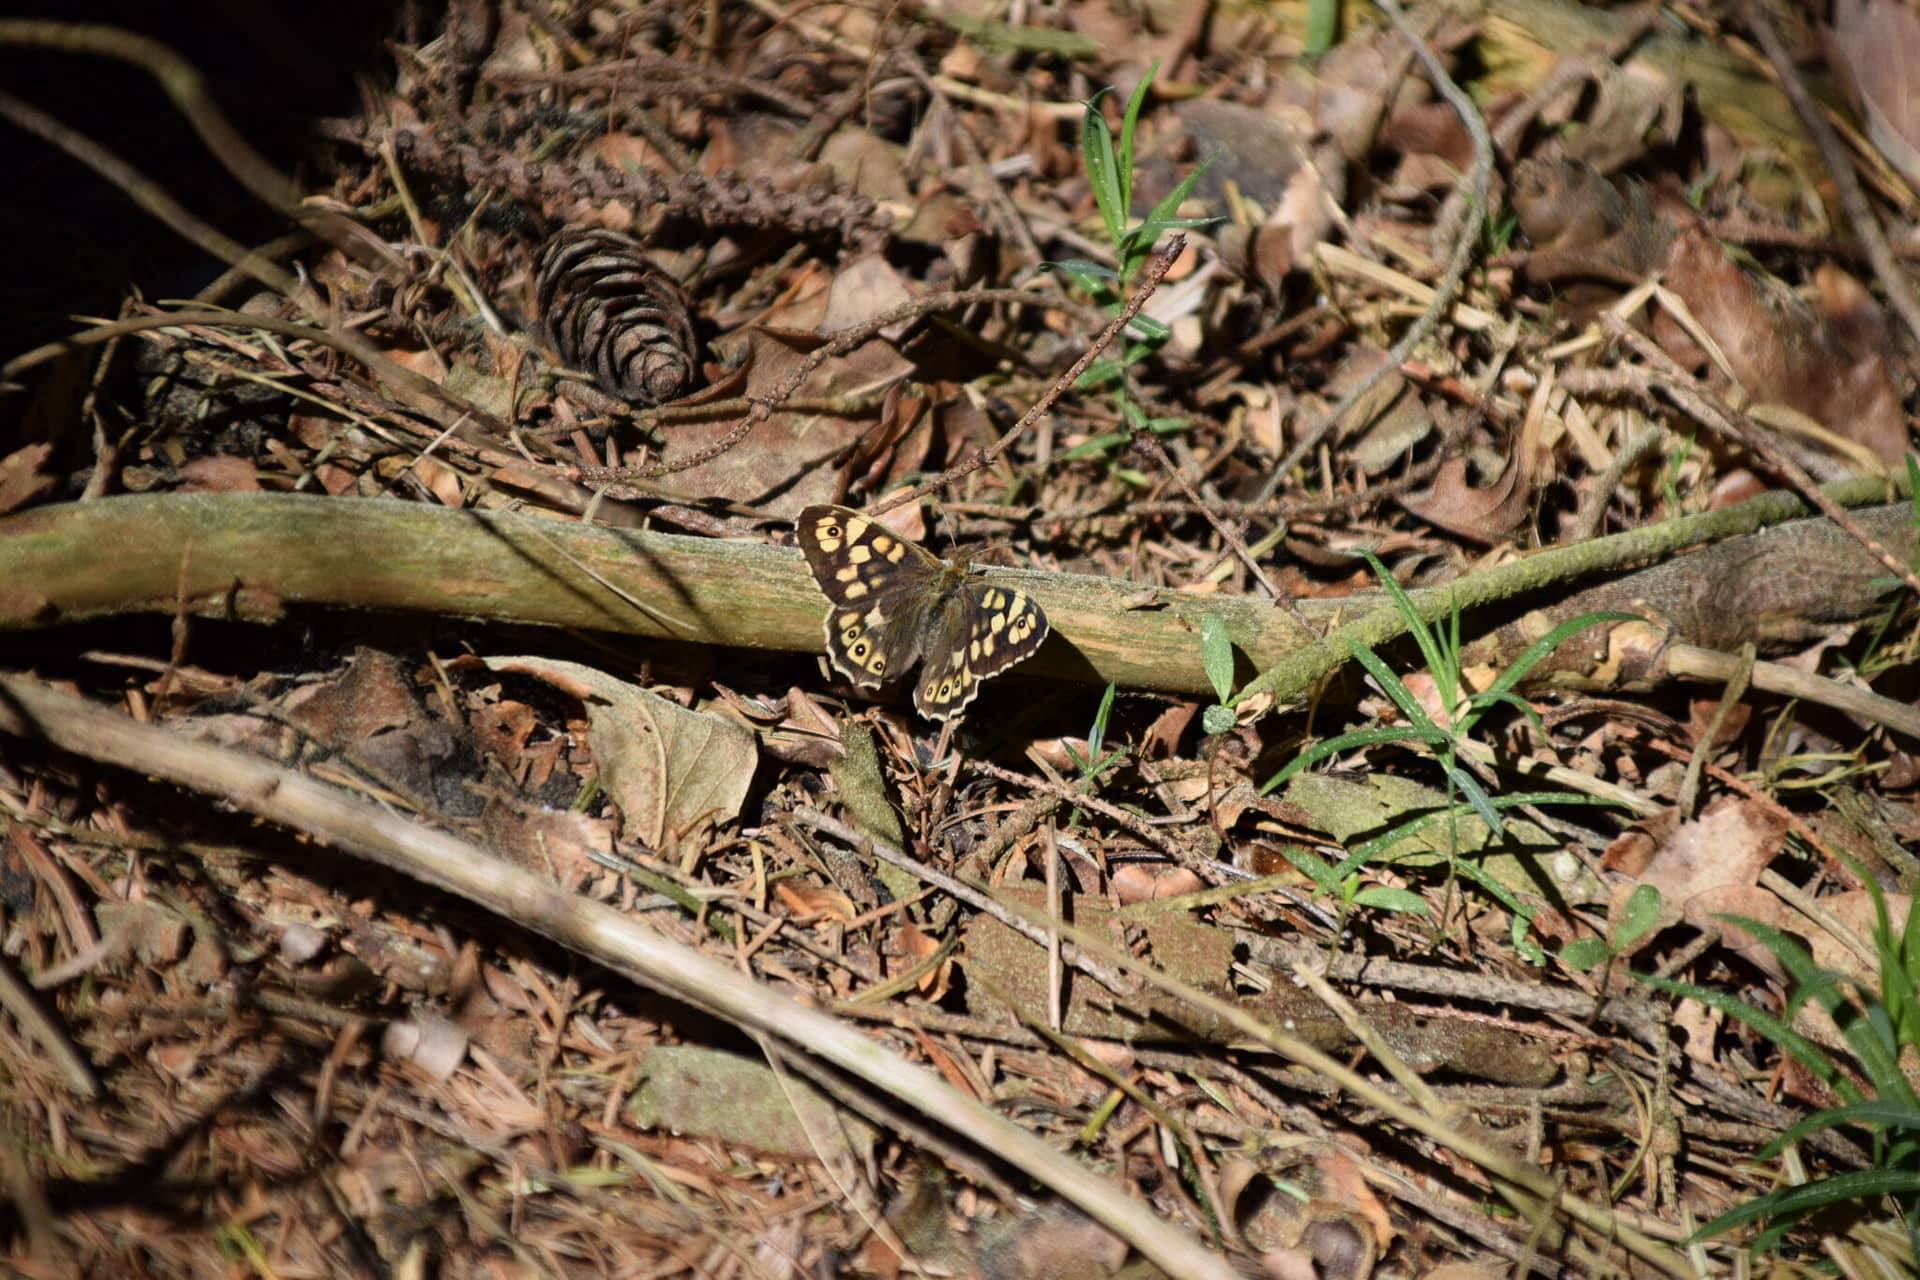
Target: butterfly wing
[871,642]
[880,586]
[982,629]
[855,558]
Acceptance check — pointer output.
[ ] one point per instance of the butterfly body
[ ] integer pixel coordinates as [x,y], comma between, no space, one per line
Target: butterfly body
[895,603]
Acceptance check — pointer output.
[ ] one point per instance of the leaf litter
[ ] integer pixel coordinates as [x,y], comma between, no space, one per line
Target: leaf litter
[1095,920]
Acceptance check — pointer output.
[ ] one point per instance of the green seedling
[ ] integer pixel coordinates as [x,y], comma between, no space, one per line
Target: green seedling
[1881,1029]
[1216,658]
[1463,711]
[1096,761]
[1670,475]
[1582,954]
[1110,173]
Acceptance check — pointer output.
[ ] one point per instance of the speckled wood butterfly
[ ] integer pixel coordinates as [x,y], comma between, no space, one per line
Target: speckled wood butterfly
[895,603]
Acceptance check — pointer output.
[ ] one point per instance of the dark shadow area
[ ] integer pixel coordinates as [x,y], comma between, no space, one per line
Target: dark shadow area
[74,242]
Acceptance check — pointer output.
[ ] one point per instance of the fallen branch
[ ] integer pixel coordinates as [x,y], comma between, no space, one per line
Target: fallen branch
[249,557]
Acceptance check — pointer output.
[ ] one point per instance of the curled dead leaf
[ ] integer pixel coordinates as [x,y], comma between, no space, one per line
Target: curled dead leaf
[668,768]
[1704,868]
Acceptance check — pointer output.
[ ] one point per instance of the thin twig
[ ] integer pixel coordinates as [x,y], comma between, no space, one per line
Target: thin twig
[1156,269]
[1474,191]
[1710,411]
[1593,510]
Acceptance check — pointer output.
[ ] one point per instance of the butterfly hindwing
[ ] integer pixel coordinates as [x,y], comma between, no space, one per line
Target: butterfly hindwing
[982,630]
[875,639]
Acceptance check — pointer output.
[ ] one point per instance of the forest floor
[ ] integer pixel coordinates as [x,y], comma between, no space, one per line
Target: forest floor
[1028,641]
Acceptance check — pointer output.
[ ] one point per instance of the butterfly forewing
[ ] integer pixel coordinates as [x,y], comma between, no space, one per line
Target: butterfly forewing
[855,558]
[894,602]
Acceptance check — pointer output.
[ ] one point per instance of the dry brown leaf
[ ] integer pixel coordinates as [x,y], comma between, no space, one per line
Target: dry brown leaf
[1623,111]
[1854,909]
[1874,46]
[1488,515]
[865,164]
[1483,515]
[627,152]
[792,459]
[918,946]
[1828,363]
[811,902]
[1826,359]
[1706,867]
[669,769]
[1266,156]
[219,473]
[21,480]
[1136,883]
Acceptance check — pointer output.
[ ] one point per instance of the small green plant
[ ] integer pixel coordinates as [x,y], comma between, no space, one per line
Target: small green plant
[1096,762]
[1216,658]
[1462,712]
[1642,909]
[1881,1027]
[1110,173]
[1498,232]
[1323,27]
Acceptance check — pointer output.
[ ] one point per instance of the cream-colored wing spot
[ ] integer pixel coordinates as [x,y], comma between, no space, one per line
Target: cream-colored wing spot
[829,532]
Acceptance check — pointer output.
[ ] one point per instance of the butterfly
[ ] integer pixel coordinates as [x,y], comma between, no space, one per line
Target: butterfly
[895,603]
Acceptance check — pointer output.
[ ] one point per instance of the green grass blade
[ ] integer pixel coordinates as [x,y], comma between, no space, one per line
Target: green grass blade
[1804,1051]
[1169,204]
[1469,786]
[1154,331]
[1872,1114]
[1393,687]
[1530,657]
[1385,897]
[1416,823]
[1087,275]
[1128,119]
[1358,738]
[1861,1184]
[1870,1039]
[1313,867]
[1097,735]
[1103,174]
[1409,613]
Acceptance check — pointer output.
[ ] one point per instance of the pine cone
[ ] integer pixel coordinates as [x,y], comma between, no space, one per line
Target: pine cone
[610,311]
